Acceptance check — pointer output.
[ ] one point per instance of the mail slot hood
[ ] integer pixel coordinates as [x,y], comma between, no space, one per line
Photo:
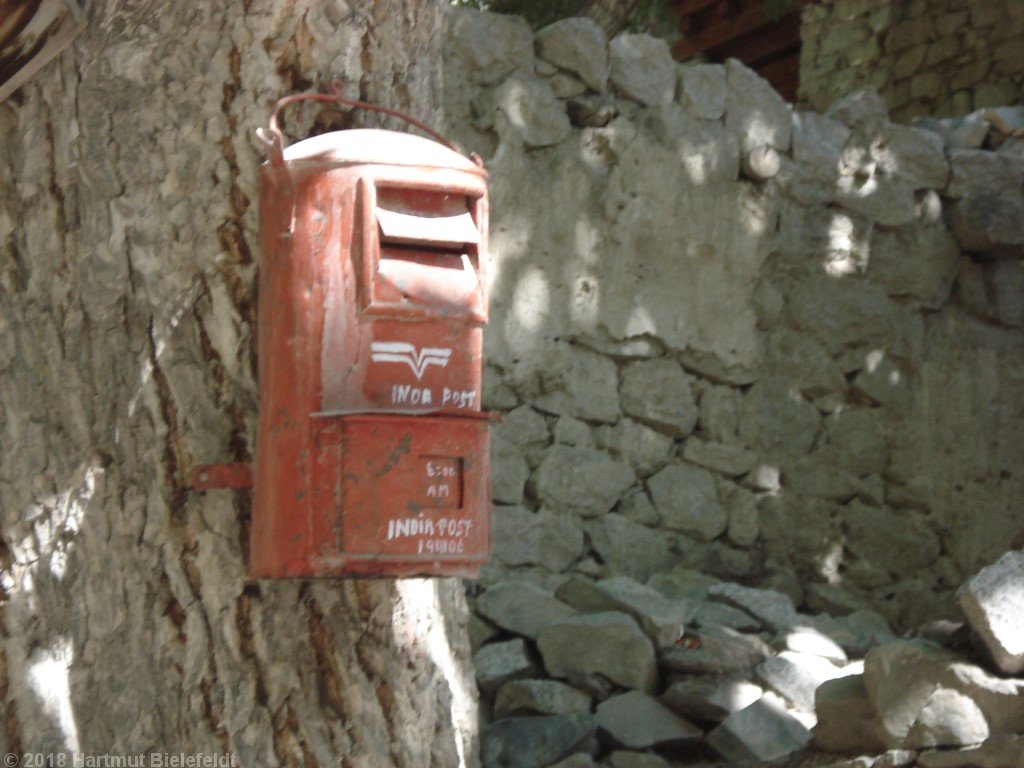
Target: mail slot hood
[370,145]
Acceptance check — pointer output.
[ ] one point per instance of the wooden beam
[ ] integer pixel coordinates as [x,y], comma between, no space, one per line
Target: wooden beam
[765,42]
[750,18]
[686,7]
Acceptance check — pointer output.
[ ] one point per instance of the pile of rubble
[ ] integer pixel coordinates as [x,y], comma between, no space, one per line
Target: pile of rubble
[687,670]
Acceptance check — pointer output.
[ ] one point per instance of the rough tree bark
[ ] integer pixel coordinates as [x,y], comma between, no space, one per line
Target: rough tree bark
[128,257]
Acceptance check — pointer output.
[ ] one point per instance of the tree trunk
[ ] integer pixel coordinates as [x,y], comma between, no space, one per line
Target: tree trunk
[128,257]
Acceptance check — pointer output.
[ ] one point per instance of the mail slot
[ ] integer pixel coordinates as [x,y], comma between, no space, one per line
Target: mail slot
[372,452]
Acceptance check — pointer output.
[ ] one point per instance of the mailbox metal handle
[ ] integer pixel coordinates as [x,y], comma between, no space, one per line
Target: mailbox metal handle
[275,140]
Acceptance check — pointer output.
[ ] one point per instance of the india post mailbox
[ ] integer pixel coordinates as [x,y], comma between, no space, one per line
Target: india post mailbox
[372,453]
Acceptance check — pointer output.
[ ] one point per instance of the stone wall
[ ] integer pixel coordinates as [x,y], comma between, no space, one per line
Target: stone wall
[779,347]
[927,57]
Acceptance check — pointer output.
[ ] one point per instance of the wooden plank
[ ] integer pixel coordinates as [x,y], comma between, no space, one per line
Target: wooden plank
[784,74]
[762,44]
[686,7]
[750,18]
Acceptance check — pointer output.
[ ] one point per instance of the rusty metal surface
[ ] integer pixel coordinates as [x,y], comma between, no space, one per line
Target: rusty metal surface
[371,306]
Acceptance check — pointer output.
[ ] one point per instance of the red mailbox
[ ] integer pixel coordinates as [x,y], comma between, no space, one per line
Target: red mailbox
[372,454]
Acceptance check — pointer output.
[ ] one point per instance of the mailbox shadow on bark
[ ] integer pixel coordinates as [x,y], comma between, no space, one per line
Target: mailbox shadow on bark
[372,452]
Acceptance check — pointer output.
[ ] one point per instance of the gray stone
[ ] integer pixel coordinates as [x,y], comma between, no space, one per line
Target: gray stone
[636,721]
[579,45]
[975,171]
[988,220]
[919,262]
[570,431]
[809,478]
[862,106]
[562,378]
[637,507]
[488,45]
[584,481]
[643,448]
[898,543]
[885,383]
[773,609]
[808,640]
[577,760]
[706,150]
[1001,751]
[565,86]
[687,500]
[762,731]
[761,163]
[642,69]
[796,676]
[889,201]
[481,632]
[702,90]
[682,584]
[628,548]
[774,421]
[596,649]
[818,143]
[497,663]
[719,413]
[741,504]
[804,363]
[854,439]
[542,697]
[509,471]
[993,289]
[916,156]
[662,619]
[621,758]
[846,719]
[710,699]
[716,651]
[532,108]
[967,132]
[728,460]
[521,607]
[551,539]
[708,613]
[524,428]
[533,742]
[993,603]
[755,112]
[658,392]
[901,677]
[949,719]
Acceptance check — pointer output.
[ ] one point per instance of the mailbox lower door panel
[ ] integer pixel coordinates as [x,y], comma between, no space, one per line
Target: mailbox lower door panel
[400,495]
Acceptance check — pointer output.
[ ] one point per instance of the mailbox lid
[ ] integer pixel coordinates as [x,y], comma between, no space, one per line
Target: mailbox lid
[399,495]
[376,146]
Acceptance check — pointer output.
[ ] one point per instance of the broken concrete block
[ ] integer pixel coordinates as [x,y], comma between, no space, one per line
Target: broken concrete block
[846,719]
[716,651]
[521,607]
[497,663]
[533,742]
[762,731]
[949,719]
[796,676]
[773,609]
[636,721]
[661,618]
[710,699]
[1003,751]
[584,649]
[993,602]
